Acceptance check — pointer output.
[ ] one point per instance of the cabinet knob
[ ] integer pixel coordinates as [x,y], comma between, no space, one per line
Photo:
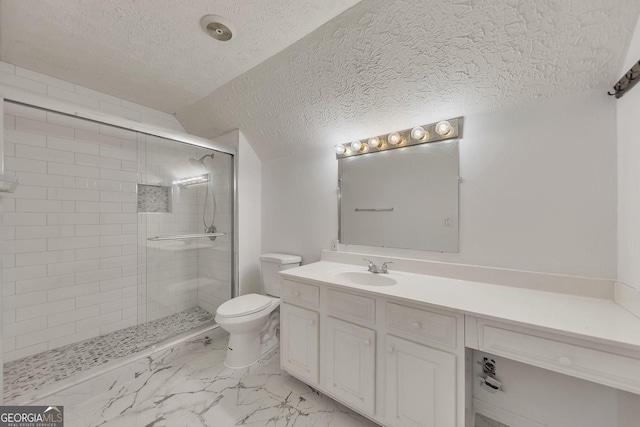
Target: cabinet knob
[366,342]
[416,325]
[312,322]
[389,349]
[565,361]
[296,293]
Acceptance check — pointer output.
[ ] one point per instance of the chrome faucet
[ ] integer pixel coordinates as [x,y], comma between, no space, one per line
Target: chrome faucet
[373,268]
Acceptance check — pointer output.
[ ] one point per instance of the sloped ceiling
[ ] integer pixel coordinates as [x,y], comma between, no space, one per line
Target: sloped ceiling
[152,52]
[386,65]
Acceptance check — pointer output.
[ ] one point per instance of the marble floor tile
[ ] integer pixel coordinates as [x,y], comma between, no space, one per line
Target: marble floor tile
[188,385]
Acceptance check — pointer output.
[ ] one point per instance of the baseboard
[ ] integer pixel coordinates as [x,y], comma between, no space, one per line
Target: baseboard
[628,297]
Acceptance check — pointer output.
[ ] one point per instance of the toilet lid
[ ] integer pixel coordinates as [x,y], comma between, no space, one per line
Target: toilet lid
[245,304]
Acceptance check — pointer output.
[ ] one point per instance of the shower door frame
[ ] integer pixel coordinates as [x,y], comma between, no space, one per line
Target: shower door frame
[47,103]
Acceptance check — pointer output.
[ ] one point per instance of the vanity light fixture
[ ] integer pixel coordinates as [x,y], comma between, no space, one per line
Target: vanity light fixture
[433,132]
[182,182]
[419,134]
[444,128]
[359,147]
[375,142]
[395,138]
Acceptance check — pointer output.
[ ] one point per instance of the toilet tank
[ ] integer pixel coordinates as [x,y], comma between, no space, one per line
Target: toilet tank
[270,264]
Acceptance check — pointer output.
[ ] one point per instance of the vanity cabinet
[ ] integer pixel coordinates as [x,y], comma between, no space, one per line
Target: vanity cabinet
[299,333]
[397,363]
[421,384]
[401,349]
[350,364]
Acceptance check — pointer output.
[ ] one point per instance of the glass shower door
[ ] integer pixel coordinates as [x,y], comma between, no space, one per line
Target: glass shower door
[185,235]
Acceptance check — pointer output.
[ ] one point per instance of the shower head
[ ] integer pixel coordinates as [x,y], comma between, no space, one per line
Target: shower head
[200,162]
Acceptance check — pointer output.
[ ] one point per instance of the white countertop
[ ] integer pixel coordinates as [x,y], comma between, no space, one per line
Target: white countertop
[594,319]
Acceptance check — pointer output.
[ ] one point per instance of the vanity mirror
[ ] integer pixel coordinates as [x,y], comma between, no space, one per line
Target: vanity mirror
[403,198]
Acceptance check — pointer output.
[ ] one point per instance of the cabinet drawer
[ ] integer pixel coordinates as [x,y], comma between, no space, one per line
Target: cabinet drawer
[351,307]
[433,327]
[300,293]
[582,362]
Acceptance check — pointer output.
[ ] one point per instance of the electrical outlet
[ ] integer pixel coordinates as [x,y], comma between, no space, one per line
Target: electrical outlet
[334,244]
[448,222]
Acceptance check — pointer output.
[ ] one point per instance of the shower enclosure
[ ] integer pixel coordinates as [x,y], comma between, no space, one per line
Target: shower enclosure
[185,233]
[113,241]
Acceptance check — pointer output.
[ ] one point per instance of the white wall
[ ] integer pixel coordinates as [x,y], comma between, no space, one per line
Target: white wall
[629,175]
[299,204]
[249,215]
[538,191]
[628,107]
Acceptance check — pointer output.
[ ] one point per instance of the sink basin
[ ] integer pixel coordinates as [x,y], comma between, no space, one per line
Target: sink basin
[365,278]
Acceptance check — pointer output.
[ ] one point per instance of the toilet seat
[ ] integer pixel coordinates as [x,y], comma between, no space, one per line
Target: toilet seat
[243,305]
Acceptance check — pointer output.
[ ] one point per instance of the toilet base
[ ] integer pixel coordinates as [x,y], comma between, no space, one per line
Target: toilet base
[245,349]
[251,336]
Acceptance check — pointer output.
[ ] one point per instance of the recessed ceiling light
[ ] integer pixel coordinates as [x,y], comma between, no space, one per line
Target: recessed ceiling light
[217,27]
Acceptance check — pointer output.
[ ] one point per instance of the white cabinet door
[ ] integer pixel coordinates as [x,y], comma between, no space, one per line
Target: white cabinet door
[351,364]
[299,342]
[421,385]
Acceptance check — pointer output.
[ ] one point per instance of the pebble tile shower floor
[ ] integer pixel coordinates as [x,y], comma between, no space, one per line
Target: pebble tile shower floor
[42,369]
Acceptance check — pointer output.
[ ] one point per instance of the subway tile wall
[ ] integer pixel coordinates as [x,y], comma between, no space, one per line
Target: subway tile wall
[77,261]
[70,230]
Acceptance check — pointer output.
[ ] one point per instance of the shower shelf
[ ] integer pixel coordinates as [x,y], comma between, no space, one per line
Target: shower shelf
[184,236]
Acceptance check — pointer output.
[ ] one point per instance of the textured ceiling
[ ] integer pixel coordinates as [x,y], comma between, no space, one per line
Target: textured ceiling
[152,52]
[386,65]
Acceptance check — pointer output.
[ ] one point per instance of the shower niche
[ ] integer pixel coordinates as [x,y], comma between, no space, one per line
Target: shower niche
[154,198]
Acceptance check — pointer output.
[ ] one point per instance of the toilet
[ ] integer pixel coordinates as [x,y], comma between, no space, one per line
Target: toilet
[250,319]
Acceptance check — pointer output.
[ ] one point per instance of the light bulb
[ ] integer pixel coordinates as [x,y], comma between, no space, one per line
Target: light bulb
[444,128]
[419,134]
[375,142]
[394,138]
[357,146]
[340,149]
